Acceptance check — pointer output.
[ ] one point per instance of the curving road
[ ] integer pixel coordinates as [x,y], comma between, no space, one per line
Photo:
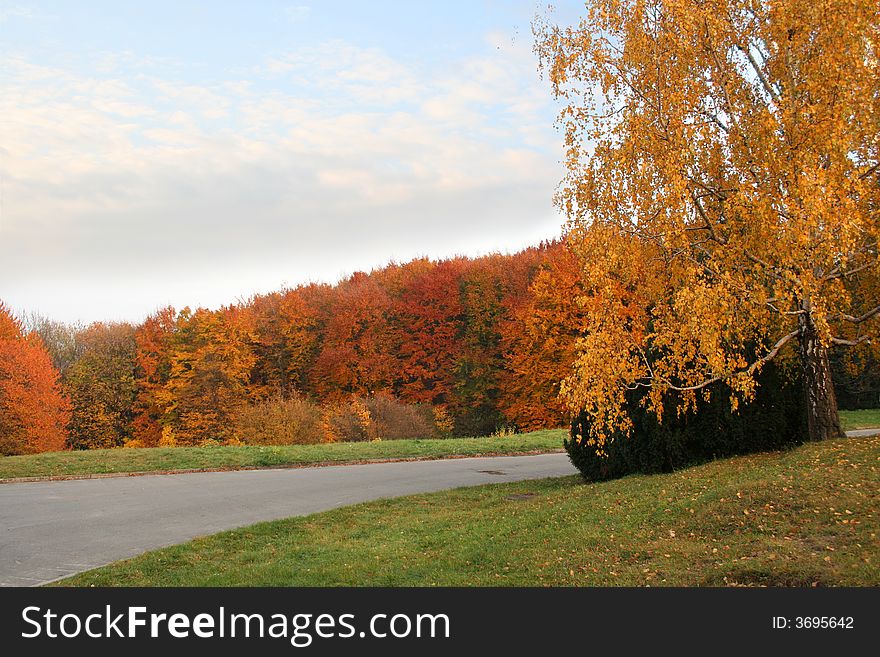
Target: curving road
[52,529]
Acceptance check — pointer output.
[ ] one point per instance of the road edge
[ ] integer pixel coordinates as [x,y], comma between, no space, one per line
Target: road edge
[279,466]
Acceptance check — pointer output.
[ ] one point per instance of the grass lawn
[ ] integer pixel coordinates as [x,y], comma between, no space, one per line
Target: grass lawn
[867,418]
[101,461]
[110,461]
[804,517]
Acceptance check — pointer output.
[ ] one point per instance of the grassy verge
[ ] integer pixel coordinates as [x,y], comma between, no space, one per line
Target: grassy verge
[867,418]
[114,461]
[804,517]
[104,461]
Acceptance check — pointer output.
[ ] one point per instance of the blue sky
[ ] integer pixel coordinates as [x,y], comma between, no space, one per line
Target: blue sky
[194,153]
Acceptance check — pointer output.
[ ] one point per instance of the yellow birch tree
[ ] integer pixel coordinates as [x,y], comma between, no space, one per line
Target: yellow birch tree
[722,191]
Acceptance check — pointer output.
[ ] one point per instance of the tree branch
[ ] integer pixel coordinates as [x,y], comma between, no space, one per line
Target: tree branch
[844,274]
[771,305]
[708,226]
[867,173]
[851,343]
[774,95]
[862,318]
[770,355]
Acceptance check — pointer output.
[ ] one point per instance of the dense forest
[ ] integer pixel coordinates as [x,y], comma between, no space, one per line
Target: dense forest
[464,346]
[425,349]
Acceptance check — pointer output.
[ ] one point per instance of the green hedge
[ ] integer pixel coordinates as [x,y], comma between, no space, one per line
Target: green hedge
[774,419]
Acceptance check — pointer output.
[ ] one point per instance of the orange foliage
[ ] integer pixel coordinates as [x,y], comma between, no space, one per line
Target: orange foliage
[211,359]
[721,192]
[153,367]
[287,328]
[354,356]
[33,411]
[541,342]
[426,328]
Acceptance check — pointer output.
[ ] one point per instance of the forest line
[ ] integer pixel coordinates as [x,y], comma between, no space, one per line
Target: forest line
[424,349]
[462,346]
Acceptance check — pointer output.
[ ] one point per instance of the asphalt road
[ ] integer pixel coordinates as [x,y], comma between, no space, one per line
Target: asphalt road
[52,529]
[855,433]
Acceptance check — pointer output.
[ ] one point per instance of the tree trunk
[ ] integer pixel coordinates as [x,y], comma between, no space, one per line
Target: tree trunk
[823,420]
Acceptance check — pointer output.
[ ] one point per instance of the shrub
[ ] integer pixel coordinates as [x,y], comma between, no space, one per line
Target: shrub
[382,418]
[775,418]
[856,375]
[395,420]
[349,422]
[280,421]
[442,421]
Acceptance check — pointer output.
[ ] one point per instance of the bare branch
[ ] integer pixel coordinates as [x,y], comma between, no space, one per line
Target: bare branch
[862,318]
[851,343]
[702,213]
[774,95]
[771,305]
[716,120]
[869,171]
[844,274]
[721,195]
[774,270]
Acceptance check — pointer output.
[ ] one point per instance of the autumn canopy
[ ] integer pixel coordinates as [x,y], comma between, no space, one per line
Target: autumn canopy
[33,412]
[723,204]
[722,192]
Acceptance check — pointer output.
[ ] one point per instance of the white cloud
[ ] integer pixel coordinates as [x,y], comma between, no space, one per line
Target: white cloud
[329,159]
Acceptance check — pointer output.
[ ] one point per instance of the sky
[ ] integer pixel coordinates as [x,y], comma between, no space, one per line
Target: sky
[194,153]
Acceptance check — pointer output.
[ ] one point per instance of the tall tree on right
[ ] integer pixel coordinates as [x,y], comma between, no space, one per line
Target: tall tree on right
[723,193]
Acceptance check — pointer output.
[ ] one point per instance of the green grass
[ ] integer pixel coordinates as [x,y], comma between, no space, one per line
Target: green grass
[102,461]
[804,517]
[867,418]
[111,461]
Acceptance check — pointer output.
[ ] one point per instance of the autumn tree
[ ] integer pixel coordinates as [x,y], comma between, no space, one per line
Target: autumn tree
[288,327]
[355,357]
[59,339]
[545,322]
[152,372]
[211,378]
[495,298]
[479,361]
[722,192]
[101,386]
[33,411]
[427,321]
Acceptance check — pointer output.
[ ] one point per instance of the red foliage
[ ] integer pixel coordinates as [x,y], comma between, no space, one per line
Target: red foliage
[426,326]
[539,342]
[153,369]
[355,358]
